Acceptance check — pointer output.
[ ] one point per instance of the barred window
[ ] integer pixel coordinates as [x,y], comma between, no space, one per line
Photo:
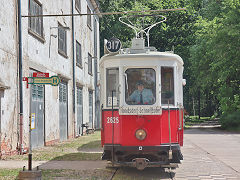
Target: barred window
[78,5]
[89,64]
[62,40]
[89,18]
[78,54]
[35,23]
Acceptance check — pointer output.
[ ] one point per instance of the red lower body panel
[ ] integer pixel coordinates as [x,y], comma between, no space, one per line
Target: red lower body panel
[120,129]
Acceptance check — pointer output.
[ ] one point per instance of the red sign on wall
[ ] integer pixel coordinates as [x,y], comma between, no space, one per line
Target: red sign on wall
[40,74]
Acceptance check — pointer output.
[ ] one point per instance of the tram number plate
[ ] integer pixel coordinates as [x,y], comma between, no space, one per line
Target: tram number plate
[112,120]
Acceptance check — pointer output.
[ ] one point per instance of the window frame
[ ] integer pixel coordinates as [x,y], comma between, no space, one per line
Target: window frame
[155,86]
[34,30]
[60,51]
[90,64]
[89,18]
[78,5]
[78,54]
[173,83]
[107,82]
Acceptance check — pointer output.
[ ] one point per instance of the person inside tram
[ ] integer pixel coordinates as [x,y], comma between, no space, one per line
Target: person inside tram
[142,95]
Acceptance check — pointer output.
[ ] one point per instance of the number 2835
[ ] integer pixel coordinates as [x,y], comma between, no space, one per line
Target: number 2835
[112,120]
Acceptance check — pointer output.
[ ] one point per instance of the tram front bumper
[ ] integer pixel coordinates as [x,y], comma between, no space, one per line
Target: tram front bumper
[142,155]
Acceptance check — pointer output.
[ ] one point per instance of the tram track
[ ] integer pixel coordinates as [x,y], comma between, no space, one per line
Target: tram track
[170,173]
[113,174]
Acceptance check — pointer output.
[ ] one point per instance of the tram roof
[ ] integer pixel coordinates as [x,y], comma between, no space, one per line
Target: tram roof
[151,54]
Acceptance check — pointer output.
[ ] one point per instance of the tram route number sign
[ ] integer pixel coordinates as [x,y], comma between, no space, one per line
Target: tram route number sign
[113,45]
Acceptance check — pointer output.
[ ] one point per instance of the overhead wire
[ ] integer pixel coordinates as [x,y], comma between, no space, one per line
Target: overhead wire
[106,13]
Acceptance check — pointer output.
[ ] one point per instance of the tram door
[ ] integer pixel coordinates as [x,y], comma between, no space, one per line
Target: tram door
[90,109]
[79,111]
[63,113]
[37,110]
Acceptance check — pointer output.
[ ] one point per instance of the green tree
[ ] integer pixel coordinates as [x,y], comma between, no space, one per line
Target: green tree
[215,57]
[206,36]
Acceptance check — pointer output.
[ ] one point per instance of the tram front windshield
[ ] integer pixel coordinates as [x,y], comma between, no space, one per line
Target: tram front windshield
[140,86]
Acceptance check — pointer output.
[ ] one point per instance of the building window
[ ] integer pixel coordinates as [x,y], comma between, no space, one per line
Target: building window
[35,23]
[89,64]
[78,54]
[78,5]
[89,18]
[62,40]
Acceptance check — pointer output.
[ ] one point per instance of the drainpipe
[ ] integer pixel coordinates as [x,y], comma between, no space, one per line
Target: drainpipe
[20,77]
[73,51]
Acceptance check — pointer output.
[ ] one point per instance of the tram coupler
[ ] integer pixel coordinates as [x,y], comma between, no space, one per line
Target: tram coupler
[140,163]
[170,154]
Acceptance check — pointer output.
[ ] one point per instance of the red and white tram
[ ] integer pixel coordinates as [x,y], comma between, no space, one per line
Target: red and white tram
[142,107]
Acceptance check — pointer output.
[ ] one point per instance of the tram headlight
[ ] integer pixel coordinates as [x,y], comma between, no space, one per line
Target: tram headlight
[140,134]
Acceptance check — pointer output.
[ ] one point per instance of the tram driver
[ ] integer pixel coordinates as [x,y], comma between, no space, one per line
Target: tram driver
[142,95]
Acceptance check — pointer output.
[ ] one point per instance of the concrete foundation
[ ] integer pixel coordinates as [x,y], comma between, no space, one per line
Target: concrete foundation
[30,175]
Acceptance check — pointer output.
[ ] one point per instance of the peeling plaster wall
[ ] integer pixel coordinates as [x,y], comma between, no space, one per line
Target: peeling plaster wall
[8,76]
[42,56]
[84,35]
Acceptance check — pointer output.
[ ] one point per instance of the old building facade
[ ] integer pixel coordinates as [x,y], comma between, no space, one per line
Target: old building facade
[63,46]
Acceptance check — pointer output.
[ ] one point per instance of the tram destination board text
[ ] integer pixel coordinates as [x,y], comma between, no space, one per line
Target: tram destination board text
[157,110]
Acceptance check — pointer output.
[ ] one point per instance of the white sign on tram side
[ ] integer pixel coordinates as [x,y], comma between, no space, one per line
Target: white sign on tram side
[115,103]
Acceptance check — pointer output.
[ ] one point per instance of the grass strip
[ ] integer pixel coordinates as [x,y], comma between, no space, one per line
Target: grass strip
[6,174]
[77,174]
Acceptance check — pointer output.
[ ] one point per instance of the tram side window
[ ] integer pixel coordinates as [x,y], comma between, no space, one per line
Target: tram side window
[167,82]
[140,86]
[112,86]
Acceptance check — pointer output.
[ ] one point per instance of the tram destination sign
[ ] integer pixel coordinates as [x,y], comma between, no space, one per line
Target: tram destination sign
[140,110]
[113,45]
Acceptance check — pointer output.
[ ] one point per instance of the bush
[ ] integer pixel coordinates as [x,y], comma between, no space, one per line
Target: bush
[230,120]
[187,118]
